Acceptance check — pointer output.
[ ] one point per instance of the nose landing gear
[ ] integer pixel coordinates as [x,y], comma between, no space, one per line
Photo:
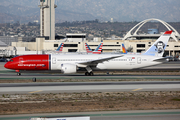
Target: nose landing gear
[18,72]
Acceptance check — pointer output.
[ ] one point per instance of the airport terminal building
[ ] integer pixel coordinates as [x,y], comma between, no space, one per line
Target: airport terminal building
[78,45]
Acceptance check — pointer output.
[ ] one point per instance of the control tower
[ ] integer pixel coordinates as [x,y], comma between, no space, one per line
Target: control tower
[47,18]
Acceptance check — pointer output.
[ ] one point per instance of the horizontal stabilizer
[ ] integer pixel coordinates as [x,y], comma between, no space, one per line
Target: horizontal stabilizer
[164,59]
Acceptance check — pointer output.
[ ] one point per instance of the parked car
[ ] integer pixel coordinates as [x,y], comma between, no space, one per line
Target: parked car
[3,60]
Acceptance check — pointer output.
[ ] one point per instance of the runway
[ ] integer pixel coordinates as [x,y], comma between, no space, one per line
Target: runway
[69,87]
[9,77]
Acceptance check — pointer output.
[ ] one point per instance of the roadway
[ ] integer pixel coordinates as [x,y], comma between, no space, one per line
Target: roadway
[103,115]
[13,76]
[71,87]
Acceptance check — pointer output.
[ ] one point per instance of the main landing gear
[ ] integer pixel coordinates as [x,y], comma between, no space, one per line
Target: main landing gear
[89,71]
[89,74]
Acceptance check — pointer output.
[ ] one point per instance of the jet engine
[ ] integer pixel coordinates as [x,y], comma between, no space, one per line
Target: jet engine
[68,68]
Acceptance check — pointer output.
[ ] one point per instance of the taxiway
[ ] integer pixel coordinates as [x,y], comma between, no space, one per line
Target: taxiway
[58,87]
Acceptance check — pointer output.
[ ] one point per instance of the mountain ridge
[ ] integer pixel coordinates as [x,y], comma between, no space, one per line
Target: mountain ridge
[104,10]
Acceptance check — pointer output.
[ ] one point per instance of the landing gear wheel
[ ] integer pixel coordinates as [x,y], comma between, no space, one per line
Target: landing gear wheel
[18,74]
[91,74]
[86,74]
[34,79]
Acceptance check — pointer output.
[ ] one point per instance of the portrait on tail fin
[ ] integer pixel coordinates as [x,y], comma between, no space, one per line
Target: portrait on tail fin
[159,46]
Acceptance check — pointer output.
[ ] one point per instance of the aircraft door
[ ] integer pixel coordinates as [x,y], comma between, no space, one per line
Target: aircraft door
[53,60]
[139,60]
[20,60]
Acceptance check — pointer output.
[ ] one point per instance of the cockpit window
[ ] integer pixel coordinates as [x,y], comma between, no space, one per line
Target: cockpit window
[11,60]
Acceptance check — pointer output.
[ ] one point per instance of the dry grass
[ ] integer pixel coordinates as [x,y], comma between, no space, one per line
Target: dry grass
[80,102]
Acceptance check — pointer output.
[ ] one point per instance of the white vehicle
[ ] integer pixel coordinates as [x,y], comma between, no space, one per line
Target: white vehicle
[63,118]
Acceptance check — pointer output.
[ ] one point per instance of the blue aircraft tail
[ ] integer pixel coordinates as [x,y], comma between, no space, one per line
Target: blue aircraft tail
[157,49]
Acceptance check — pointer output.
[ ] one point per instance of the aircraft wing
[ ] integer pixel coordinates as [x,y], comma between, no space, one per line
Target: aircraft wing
[96,61]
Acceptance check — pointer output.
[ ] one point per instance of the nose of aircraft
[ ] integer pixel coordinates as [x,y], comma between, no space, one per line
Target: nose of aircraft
[6,65]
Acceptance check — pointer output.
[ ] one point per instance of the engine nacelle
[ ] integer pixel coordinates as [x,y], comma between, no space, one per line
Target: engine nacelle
[68,68]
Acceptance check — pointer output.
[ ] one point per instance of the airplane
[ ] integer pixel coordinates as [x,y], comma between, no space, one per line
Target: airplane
[72,63]
[60,48]
[88,49]
[96,51]
[124,49]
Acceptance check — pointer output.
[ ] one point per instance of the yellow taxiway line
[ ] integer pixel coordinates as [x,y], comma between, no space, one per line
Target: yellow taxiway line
[137,89]
[35,91]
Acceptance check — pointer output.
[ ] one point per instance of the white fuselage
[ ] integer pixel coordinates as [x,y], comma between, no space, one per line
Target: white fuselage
[125,62]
